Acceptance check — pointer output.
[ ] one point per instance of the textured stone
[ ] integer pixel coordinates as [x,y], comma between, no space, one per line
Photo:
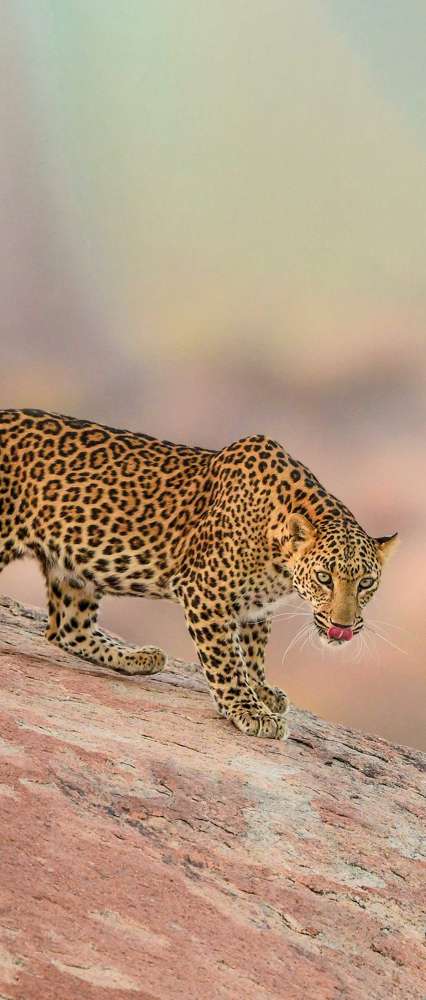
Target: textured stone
[148,849]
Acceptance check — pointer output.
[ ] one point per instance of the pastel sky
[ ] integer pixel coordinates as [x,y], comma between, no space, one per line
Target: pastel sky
[240,172]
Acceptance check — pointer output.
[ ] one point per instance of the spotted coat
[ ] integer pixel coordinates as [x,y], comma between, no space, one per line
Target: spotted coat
[227,534]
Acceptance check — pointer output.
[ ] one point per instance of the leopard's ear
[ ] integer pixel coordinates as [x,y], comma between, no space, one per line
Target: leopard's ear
[300,532]
[386,545]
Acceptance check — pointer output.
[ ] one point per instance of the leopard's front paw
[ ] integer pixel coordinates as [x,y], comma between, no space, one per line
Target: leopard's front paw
[259,722]
[274,698]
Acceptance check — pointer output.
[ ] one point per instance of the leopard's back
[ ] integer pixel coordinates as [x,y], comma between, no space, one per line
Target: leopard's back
[101,504]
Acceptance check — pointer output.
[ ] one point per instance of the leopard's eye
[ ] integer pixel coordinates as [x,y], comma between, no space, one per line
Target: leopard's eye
[324,578]
[366,583]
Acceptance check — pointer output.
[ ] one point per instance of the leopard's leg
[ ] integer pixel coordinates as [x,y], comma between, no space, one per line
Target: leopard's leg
[72,625]
[216,636]
[254,637]
[9,550]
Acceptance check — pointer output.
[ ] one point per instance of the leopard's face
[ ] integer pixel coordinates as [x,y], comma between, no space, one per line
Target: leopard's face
[337,591]
[338,571]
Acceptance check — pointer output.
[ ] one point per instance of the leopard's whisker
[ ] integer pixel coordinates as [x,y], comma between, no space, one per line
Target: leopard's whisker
[295,640]
[385,639]
[307,640]
[361,647]
[371,646]
[379,621]
[312,637]
[292,614]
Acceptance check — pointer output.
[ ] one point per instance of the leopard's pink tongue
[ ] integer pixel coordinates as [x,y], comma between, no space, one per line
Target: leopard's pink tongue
[339,633]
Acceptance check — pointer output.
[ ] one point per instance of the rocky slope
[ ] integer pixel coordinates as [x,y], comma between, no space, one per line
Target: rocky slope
[148,849]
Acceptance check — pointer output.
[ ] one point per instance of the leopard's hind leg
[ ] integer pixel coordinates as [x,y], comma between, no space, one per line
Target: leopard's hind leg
[72,625]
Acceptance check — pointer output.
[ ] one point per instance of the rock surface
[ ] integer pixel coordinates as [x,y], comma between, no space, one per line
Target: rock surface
[148,849]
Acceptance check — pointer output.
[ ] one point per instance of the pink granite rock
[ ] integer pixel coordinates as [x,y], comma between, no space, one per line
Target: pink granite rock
[148,849]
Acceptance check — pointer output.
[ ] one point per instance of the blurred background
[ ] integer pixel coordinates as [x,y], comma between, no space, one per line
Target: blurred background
[213,223]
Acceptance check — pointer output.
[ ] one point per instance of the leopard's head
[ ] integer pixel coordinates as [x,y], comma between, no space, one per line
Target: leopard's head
[337,568]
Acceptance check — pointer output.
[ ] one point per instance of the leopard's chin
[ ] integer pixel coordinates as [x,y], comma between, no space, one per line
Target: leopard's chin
[325,641]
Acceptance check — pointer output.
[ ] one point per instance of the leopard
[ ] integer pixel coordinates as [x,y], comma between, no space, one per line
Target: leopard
[228,534]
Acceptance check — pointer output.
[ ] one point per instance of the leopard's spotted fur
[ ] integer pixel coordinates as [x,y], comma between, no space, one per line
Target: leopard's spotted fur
[227,534]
